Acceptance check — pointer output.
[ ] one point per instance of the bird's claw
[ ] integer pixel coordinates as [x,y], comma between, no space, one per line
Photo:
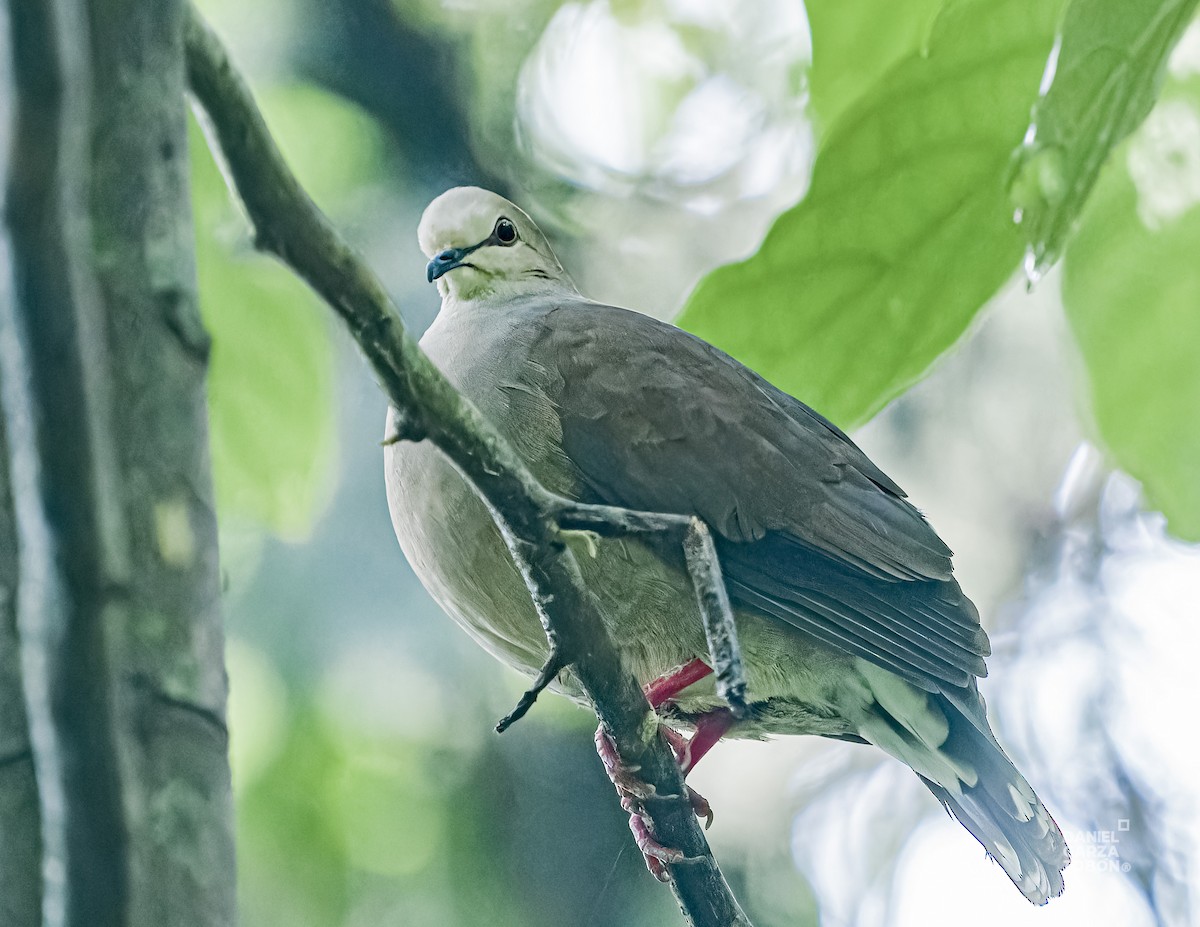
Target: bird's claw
[700,806]
[625,778]
[634,791]
[657,856]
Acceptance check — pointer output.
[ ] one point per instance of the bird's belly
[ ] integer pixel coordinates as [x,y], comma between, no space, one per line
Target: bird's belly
[457,552]
[448,536]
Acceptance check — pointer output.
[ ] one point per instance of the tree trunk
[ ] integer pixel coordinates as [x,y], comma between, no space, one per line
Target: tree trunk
[120,631]
[20,820]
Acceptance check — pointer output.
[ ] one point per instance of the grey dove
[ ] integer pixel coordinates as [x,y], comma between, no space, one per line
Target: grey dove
[851,623]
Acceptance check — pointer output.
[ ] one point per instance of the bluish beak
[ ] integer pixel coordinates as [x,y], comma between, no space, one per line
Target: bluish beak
[445,261]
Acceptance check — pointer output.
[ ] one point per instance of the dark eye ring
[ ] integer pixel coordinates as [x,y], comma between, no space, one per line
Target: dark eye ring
[506,232]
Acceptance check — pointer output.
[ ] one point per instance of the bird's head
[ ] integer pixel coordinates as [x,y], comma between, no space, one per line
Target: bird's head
[481,245]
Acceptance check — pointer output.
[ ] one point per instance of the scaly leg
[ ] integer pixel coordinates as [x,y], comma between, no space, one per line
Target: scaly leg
[710,727]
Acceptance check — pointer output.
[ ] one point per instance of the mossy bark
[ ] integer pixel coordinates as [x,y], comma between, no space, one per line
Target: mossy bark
[111,357]
[20,817]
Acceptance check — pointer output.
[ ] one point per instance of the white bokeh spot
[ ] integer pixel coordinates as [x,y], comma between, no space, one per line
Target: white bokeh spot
[1164,163]
[678,93]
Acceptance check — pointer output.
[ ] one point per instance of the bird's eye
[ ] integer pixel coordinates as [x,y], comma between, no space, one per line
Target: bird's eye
[506,232]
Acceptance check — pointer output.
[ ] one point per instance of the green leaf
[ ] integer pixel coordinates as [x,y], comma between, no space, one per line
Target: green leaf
[906,230]
[1131,285]
[270,384]
[855,42]
[334,148]
[1106,77]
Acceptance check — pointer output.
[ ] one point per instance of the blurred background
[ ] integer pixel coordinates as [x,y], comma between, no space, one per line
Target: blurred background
[653,140]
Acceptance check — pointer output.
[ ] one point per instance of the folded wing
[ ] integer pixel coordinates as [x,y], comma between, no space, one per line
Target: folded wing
[809,530]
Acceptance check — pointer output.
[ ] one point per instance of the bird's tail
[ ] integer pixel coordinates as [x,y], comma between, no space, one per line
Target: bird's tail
[1001,809]
[946,740]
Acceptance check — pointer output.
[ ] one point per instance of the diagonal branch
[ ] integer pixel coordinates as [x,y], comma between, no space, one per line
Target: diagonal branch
[288,224]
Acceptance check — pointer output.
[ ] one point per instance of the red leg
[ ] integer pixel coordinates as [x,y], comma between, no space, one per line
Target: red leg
[669,685]
[709,729]
[679,746]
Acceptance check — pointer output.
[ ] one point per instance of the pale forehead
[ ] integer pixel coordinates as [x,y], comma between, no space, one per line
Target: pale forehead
[462,217]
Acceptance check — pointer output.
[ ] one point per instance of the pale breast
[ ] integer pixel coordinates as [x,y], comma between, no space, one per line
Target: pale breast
[443,527]
[458,554]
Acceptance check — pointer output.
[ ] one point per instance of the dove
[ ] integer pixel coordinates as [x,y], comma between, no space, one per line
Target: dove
[851,623]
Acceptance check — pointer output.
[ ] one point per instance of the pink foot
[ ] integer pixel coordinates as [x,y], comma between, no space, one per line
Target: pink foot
[624,778]
[656,855]
[679,746]
[633,792]
[700,806]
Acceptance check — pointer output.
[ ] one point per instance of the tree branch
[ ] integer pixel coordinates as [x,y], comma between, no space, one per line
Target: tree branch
[289,225]
[555,663]
[700,553]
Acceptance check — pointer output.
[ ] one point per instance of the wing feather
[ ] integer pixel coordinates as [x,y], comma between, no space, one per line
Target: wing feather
[809,530]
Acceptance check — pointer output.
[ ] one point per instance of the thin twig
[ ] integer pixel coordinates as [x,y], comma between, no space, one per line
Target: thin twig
[551,668]
[288,224]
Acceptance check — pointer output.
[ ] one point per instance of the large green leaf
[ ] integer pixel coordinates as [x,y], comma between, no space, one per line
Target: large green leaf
[1132,291]
[1105,79]
[855,42]
[907,229]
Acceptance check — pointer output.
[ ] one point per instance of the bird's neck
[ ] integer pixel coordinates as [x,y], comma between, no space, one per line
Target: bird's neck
[499,293]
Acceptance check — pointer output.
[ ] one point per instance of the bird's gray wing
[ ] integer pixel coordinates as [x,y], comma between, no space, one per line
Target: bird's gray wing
[809,530]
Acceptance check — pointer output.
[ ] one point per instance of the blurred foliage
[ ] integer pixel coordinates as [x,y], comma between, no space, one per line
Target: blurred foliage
[350,824]
[925,102]
[677,97]
[496,68]
[271,378]
[1132,288]
[408,71]
[906,230]
[1105,73]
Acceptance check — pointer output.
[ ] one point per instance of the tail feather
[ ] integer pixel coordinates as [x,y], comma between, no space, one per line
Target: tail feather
[948,743]
[1003,813]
